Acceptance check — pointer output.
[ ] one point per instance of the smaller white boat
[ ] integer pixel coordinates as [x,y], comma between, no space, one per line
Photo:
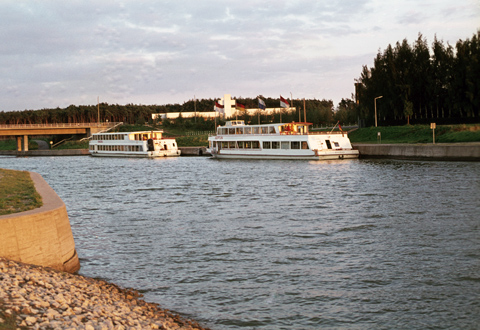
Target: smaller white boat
[144,144]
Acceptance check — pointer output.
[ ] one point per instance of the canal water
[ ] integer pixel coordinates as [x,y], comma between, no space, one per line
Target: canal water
[359,244]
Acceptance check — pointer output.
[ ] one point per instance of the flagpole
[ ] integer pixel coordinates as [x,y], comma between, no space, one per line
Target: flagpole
[195,107]
[305,116]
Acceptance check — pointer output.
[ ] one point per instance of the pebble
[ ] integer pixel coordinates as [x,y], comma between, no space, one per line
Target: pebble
[43,298]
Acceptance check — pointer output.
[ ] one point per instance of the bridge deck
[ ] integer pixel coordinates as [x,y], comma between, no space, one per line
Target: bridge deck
[23,131]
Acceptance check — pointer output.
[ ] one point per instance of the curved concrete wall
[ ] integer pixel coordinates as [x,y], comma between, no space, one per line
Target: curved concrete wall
[42,236]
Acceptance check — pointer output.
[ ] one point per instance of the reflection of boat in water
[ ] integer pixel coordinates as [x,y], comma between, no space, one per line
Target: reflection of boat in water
[147,144]
[278,141]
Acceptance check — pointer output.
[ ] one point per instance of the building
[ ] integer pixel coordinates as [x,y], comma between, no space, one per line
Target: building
[229,107]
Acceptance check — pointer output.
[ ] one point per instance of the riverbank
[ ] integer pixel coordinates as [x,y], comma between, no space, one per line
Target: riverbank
[469,151]
[186,151]
[34,297]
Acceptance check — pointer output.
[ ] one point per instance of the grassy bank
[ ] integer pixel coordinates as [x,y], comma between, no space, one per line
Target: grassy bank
[417,134]
[18,192]
[389,134]
[12,145]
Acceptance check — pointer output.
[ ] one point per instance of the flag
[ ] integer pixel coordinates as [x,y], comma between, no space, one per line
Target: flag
[340,127]
[261,104]
[283,102]
[239,106]
[219,108]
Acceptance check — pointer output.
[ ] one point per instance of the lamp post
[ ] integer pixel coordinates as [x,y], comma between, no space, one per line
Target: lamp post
[375,101]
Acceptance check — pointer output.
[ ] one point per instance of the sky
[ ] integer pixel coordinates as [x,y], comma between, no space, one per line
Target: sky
[57,53]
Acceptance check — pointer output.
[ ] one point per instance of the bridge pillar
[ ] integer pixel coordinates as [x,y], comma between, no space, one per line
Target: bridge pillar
[19,143]
[25,143]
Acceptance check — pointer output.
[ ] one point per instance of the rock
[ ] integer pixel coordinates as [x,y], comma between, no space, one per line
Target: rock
[30,320]
[47,299]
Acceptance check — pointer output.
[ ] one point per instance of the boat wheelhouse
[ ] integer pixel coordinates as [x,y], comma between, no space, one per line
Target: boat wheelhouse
[145,144]
[278,141]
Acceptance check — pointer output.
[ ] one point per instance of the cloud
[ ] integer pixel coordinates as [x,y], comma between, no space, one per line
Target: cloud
[57,53]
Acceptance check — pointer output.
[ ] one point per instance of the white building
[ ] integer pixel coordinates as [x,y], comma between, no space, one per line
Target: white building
[229,107]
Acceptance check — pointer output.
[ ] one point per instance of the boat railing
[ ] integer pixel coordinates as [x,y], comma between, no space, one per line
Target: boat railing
[282,133]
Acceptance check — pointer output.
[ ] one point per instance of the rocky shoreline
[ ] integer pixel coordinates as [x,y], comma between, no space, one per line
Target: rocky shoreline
[42,298]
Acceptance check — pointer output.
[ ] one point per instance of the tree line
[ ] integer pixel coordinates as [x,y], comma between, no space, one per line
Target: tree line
[319,112]
[422,84]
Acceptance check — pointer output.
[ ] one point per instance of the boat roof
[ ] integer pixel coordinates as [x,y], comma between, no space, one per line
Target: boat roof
[135,132]
[242,123]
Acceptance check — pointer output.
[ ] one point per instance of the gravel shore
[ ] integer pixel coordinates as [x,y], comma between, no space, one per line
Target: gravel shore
[42,298]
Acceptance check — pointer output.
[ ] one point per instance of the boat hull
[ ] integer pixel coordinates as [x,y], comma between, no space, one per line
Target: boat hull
[136,154]
[344,154]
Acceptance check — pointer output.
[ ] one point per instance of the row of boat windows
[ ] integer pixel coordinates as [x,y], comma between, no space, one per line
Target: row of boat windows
[117,148]
[246,130]
[265,145]
[103,137]
[137,137]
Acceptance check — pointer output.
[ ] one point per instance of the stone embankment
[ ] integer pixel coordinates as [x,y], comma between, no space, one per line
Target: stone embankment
[469,151]
[43,298]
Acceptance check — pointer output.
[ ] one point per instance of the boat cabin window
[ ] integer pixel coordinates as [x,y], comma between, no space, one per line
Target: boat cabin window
[272,130]
[248,130]
[267,145]
[285,145]
[256,130]
[239,144]
[239,130]
[275,145]
[231,130]
[304,145]
[295,145]
[329,145]
[336,144]
[264,129]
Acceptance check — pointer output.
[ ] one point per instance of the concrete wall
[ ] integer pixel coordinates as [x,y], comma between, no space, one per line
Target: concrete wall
[55,152]
[193,151]
[444,151]
[42,236]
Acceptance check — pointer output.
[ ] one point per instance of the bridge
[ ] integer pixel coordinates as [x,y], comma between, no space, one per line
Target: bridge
[23,131]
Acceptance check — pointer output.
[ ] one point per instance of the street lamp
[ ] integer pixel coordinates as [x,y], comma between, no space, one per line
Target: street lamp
[378,97]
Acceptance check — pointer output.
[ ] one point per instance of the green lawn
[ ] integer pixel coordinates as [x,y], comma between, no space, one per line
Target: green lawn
[18,192]
[389,134]
[417,134]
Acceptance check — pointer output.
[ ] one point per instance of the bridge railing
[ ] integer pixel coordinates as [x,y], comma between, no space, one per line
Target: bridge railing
[55,125]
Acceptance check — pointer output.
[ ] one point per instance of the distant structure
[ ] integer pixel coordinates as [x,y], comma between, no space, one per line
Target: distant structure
[229,107]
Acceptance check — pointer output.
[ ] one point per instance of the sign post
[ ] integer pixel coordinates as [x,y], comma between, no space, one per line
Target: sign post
[432,127]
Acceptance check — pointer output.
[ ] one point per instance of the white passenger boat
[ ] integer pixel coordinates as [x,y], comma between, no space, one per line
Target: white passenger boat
[278,141]
[146,144]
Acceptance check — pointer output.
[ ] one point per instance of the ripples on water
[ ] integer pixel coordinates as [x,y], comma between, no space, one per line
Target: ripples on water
[280,244]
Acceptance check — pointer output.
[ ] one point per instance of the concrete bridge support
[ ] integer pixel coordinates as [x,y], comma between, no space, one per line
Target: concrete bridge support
[25,143]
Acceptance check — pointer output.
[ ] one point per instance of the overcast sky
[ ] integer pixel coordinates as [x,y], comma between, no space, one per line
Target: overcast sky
[57,53]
